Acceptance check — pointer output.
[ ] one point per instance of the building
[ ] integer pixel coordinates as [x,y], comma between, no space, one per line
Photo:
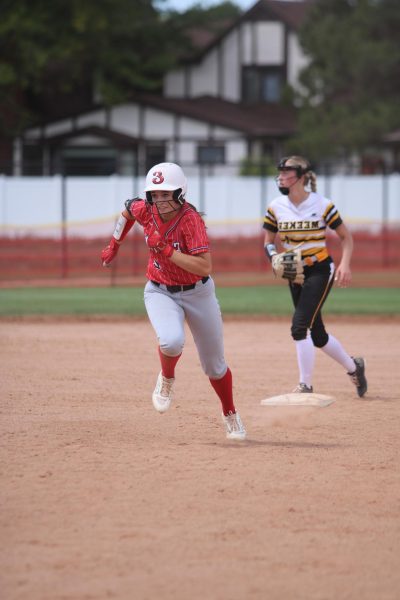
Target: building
[217,110]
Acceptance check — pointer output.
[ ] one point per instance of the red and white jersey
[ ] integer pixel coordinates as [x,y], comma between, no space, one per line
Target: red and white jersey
[186,232]
[304,223]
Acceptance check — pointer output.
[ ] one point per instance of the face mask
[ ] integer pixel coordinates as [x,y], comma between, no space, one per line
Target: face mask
[285,190]
[299,172]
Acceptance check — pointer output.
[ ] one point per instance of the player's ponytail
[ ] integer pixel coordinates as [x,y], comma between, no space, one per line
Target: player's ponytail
[310,179]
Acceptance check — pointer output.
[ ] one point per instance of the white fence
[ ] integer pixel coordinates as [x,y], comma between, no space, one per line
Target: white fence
[88,206]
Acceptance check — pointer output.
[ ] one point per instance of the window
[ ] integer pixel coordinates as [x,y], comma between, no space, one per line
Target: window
[89,161]
[33,159]
[271,87]
[262,84]
[211,155]
[154,154]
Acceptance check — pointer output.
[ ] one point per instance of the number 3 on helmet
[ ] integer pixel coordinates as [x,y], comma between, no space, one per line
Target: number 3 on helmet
[168,177]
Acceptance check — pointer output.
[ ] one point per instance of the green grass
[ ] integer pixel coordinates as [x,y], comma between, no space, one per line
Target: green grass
[258,300]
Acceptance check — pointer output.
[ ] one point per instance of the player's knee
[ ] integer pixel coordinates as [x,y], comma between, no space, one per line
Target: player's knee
[172,346]
[214,370]
[320,338]
[299,332]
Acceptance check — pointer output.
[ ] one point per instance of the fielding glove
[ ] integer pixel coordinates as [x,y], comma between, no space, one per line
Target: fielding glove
[289,265]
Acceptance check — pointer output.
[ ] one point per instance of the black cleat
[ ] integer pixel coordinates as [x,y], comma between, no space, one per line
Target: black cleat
[358,377]
[302,388]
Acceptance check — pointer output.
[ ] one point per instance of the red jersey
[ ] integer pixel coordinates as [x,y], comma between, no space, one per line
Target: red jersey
[186,232]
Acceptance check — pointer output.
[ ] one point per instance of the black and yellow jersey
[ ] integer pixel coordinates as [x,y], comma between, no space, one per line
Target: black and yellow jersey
[303,224]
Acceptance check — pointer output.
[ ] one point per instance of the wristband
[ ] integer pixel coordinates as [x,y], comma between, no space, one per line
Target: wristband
[122,227]
[270,250]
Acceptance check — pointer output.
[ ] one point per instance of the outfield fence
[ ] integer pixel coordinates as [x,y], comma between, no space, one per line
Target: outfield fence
[55,227]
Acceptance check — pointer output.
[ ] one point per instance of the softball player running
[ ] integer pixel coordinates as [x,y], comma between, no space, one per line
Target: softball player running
[179,286]
[300,217]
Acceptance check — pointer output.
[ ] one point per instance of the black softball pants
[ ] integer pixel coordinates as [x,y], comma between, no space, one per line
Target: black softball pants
[308,300]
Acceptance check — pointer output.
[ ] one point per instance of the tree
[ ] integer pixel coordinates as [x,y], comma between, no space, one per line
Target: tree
[58,54]
[200,26]
[351,87]
[55,57]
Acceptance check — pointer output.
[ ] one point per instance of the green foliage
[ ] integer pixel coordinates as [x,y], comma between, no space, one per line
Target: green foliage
[351,87]
[67,49]
[56,56]
[199,25]
[257,168]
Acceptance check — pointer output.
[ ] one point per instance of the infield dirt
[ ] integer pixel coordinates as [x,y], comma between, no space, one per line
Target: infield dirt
[102,497]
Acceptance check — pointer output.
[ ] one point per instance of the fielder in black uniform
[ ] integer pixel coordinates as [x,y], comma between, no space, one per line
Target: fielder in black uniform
[300,216]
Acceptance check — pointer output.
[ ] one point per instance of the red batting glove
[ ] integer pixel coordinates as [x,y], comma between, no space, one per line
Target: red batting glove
[110,252]
[157,244]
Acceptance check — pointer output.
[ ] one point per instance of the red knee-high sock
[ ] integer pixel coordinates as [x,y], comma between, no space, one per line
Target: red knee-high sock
[223,387]
[168,364]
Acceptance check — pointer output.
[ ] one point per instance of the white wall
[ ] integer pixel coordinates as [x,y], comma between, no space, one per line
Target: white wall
[247,32]
[174,84]
[296,60]
[125,118]
[231,68]
[204,78]
[97,118]
[270,48]
[233,205]
[58,128]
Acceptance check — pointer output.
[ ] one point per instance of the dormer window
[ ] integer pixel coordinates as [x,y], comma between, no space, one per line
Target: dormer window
[262,84]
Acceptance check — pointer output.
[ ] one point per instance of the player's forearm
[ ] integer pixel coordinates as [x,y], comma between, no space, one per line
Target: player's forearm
[347,252]
[200,264]
[269,245]
[347,244]
[123,226]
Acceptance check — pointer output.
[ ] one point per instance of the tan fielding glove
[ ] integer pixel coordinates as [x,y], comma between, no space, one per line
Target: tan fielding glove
[288,265]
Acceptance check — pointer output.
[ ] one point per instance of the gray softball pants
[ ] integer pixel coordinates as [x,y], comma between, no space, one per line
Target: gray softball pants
[199,307]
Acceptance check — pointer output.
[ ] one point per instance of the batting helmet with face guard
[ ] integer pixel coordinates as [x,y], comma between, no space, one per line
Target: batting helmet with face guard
[167,177]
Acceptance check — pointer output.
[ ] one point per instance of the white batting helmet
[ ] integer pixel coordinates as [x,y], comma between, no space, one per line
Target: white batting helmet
[169,177]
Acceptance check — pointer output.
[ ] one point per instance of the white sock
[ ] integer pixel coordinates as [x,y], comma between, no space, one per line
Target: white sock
[305,360]
[335,350]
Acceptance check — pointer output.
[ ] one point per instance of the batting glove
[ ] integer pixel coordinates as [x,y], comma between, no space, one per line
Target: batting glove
[110,252]
[157,244]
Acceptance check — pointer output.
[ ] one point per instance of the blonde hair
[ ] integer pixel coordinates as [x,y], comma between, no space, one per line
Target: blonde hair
[310,177]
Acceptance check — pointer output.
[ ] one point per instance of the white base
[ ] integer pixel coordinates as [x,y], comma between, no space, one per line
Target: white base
[298,400]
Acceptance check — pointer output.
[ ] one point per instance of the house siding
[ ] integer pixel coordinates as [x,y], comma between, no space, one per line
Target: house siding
[297,60]
[58,127]
[204,78]
[270,48]
[219,72]
[126,119]
[97,118]
[260,40]
[230,75]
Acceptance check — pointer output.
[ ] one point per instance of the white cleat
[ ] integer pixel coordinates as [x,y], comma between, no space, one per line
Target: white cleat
[234,427]
[162,394]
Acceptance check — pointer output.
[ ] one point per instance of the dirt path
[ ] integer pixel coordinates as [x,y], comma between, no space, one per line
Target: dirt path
[101,497]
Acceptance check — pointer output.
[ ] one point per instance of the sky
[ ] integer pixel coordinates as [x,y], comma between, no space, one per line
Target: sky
[183,5]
